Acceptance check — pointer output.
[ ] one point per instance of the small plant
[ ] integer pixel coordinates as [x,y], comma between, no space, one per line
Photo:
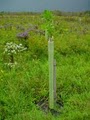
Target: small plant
[11,49]
[23,35]
[48,23]
[49,29]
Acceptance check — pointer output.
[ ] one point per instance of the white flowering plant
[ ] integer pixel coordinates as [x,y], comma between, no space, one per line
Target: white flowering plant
[11,49]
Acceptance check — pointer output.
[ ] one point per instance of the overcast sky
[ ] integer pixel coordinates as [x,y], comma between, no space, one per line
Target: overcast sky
[39,5]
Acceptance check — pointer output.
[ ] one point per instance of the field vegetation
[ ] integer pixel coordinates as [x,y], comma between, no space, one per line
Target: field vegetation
[24,67]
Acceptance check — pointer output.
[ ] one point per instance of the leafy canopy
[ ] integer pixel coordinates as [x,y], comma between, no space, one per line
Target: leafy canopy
[48,23]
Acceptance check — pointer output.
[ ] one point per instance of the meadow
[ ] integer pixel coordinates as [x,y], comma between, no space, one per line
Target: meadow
[24,85]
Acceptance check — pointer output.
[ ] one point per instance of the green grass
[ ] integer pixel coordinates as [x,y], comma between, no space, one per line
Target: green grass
[26,84]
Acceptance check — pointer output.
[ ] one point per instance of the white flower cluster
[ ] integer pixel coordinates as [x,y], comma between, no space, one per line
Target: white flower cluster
[13,48]
[11,64]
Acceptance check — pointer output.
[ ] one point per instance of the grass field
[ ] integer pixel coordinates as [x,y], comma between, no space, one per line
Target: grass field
[25,86]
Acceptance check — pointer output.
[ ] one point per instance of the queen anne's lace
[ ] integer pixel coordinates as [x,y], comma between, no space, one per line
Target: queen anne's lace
[13,48]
